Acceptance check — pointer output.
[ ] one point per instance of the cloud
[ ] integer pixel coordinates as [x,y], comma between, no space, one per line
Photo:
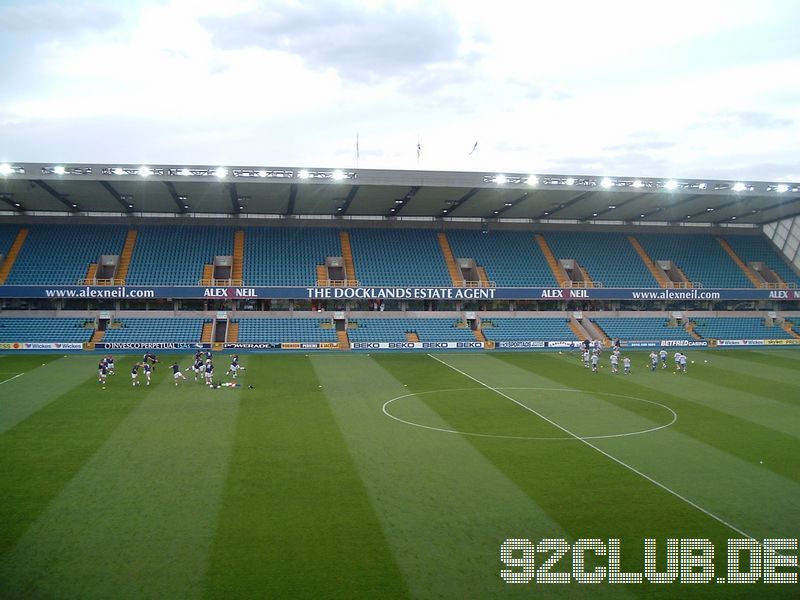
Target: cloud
[759,120]
[54,21]
[360,43]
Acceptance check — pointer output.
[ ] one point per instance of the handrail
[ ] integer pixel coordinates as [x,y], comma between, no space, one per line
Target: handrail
[219,282]
[96,281]
[476,284]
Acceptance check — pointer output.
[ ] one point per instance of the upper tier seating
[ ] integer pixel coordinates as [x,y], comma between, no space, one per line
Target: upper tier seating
[752,248]
[155,330]
[287,256]
[169,255]
[25,329]
[701,258]
[398,257]
[395,330]
[641,328]
[8,233]
[534,329]
[609,257]
[61,255]
[738,328]
[279,330]
[510,258]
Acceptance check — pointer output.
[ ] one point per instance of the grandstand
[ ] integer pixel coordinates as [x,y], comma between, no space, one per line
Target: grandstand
[437,244]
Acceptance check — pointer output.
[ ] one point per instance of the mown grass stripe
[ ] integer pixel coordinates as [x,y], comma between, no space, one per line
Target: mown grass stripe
[39,380]
[137,519]
[40,455]
[445,508]
[295,518]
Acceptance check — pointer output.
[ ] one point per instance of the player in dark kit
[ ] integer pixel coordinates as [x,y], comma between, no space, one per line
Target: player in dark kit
[176,373]
[135,374]
[102,371]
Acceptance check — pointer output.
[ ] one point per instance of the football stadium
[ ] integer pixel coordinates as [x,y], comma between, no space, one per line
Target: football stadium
[221,382]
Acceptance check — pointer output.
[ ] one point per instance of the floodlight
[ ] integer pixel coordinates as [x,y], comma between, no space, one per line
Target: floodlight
[570,181]
[739,187]
[119,171]
[184,172]
[611,207]
[145,171]
[606,182]
[594,214]
[337,175]
[533,180]
[509,204]
[637,183]
[221,172]
[641,216]
[262,173]
[5,169]
[500,179]
[733,218]
[59,170]
[303,174]
[782,188]
[671,185]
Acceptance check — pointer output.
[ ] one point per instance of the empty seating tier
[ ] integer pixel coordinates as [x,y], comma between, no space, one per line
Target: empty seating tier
[130,329]
[395,330]
[523,329]
[641,328]
[700,257]
[398,257]
[59,255]
[284,330]
[166,255]
[510,258]
[25,329]
[738,328]
[609,258]
[756,248]
[287,256]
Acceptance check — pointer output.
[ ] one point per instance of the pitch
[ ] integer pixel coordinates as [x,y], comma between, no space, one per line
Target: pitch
[379,476]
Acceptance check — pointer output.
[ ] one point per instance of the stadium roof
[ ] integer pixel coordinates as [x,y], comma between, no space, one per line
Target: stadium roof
[285,192]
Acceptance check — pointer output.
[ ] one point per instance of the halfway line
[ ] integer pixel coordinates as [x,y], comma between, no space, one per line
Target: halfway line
[600,450]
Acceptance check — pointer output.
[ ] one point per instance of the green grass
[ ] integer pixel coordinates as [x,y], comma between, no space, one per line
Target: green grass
[303,487]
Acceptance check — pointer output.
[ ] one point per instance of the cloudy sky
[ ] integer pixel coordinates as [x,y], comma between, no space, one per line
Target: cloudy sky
[698,88]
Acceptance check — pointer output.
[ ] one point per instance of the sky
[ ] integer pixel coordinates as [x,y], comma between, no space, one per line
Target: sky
[693,89]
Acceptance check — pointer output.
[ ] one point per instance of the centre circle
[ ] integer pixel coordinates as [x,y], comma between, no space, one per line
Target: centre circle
[504,394]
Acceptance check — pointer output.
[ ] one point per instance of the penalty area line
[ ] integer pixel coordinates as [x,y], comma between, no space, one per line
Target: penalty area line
[600,450]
